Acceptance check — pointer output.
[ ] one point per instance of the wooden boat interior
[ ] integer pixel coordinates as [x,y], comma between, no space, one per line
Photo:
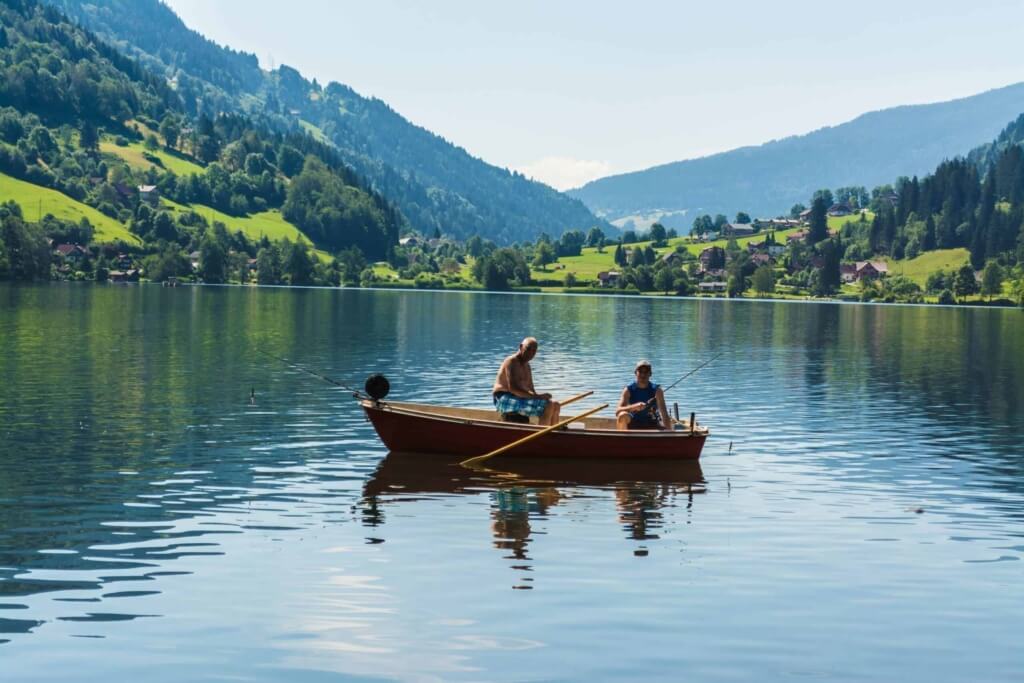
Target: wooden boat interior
[491,416]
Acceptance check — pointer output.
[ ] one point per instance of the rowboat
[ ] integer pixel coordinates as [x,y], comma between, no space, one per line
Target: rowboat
[426,428]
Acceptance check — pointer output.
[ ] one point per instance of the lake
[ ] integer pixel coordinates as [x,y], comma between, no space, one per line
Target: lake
[176,506]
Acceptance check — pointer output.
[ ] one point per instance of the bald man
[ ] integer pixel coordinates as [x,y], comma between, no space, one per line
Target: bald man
[513,390]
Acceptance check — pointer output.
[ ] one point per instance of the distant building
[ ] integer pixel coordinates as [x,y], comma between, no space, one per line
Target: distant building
[124,275]
[410,241]
[194,260]
[839,210]
[871,269]
[762,259]
[712,257]
[149,194]
[72,253]
[739,229]
[671,258]
[711,286]
[847,272]
[608,278]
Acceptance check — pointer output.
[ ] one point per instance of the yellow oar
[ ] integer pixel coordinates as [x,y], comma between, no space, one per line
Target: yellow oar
[575,398]
[480,458]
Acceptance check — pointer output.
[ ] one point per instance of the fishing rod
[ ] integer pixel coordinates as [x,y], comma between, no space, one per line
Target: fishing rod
[376,386]
[705,363]
[650,402]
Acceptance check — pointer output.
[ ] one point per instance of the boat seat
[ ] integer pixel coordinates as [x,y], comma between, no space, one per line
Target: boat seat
[515,417]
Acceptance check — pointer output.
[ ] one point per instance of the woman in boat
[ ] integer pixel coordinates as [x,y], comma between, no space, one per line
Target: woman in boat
[642,405]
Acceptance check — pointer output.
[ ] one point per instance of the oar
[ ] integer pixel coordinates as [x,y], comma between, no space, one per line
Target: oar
[575,398]
[480,458]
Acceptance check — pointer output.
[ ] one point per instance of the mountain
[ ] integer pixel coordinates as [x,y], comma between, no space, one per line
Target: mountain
[767,180]
[436,185]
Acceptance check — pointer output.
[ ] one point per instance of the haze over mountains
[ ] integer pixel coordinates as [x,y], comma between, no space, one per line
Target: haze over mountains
[873,149]
[436,184]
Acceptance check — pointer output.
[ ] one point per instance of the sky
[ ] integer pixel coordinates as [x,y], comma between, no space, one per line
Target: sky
[569,91]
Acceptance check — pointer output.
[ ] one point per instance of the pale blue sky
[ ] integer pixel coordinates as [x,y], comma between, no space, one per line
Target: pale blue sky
[571,91]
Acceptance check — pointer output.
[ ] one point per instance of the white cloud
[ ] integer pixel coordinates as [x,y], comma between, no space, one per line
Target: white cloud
[563,173]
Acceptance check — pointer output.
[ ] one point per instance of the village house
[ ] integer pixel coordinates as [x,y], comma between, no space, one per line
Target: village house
[72,253]
[775,223]
[739,229]
[871,269]
[194,260]
[672,258]
[839,210]
[149,194]
[772,249]
[762,259]
[124,275]
[847,272]
[608,278]
[712,257]
[711,286]
[410,241]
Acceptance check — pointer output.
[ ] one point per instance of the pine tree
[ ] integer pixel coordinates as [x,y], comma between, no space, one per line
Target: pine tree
[819,220]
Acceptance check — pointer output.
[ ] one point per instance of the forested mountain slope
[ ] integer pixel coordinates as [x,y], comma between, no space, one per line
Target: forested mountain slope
[768,179]
[436,184]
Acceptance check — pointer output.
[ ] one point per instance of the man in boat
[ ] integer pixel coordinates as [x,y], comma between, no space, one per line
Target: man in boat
[642,405]
[514,395]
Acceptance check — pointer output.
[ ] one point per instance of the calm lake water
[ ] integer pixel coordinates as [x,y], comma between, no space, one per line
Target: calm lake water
[858,513]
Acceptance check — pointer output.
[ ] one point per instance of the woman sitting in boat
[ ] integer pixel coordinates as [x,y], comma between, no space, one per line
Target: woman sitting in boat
[642,405]
[514,395]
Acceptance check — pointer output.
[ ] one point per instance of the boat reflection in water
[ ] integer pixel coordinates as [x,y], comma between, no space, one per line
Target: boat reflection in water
[524,491]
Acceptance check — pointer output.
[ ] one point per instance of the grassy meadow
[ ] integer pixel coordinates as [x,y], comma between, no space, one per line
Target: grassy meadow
[36,201]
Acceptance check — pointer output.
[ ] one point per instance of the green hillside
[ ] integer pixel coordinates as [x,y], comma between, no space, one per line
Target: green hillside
[134,154]
[36,201]
[918,269]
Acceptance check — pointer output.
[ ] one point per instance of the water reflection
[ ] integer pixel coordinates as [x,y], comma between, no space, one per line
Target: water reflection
[524,492]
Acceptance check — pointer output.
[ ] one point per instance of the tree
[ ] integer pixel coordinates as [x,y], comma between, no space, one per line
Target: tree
[1017,290]
[991,279]
[352,262]
[543,254]
[570,279]
[89,137]
[928,239]
[620,255]
[637,257]
[595,238]
[819,221]
[213,261]
[298,265]
[571,243]
[658,234]
[268,267]
[664,280]
[735,286]
[742,218]
[764,280]
[965,284]
[827,279]
[797,210]
[170,131]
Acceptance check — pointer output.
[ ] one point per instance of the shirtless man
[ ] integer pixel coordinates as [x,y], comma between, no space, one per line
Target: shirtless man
[513,388]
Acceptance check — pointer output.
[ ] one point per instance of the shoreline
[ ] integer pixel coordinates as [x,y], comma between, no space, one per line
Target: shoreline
[656,297]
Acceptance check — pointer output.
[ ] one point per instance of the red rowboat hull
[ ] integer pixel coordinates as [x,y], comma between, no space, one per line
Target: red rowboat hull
[404,429]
